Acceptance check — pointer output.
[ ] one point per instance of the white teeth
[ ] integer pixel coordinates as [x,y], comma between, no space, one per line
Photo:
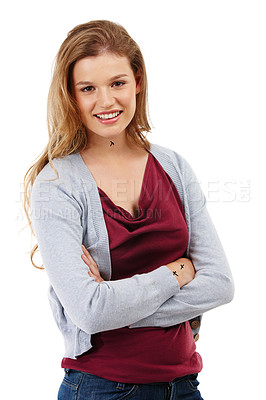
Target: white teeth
[108,116]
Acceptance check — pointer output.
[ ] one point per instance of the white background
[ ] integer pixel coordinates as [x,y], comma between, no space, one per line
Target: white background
[207,90]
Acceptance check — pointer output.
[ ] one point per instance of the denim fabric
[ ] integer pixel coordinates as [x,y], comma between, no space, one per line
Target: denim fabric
[82,386]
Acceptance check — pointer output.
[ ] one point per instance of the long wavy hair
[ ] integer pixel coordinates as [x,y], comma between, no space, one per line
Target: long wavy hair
[67,133]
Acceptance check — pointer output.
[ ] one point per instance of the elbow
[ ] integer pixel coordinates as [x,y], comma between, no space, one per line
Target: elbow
[90,325]
[227,291]
[86,327]
[230,291]
[221,291]
[94,321]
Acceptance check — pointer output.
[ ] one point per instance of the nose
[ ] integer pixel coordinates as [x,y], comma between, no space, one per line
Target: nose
[105,98]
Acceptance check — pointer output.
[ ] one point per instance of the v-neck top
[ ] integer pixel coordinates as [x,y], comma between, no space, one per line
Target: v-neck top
[124,214]
[158,236]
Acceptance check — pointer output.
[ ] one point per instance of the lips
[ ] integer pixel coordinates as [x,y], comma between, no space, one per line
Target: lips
[107,116]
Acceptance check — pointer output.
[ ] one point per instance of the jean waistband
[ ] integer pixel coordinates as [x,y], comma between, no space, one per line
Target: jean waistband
[190,377]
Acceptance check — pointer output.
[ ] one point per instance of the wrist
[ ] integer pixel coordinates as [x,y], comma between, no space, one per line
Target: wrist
[176,273]
[183,270]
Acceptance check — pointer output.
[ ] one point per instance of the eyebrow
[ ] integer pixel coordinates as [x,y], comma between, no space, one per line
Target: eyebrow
[81,83]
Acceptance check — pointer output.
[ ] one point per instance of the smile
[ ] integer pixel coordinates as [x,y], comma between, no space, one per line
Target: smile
[108,116]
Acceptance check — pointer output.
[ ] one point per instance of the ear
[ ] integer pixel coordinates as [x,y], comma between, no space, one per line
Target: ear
[138,82]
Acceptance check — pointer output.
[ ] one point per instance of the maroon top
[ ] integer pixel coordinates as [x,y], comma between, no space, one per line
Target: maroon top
[156,237]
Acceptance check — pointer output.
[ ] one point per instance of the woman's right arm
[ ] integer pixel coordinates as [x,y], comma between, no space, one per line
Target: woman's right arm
[56,217]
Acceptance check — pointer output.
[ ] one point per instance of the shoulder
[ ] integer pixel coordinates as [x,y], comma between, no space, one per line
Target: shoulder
[60,175]
[183,176]
[60,169]
[169,157]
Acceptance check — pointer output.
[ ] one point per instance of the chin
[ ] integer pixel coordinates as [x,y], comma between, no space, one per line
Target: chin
[112,134]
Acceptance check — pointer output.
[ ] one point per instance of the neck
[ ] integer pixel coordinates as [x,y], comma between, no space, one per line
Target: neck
[108,148]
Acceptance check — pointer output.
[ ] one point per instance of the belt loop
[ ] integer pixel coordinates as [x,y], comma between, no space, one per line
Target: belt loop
[121,386]
[67,371]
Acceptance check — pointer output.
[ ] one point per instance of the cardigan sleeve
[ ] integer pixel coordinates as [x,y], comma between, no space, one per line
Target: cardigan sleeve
[213,283]
[56,216]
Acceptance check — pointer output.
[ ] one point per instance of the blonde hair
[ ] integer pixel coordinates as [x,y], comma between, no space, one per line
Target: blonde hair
[67,134]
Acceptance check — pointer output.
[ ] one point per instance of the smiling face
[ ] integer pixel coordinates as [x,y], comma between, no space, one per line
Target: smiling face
[105,89]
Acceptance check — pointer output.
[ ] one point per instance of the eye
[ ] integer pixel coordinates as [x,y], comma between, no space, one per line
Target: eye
[118,84]
[87,89]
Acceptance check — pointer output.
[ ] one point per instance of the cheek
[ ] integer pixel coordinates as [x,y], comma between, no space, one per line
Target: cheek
[84,105]
[128,99]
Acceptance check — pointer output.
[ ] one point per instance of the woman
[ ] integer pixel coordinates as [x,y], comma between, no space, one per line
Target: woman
[124,234]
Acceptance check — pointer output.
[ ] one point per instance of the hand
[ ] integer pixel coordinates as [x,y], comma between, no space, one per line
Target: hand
[183,270]
[93,268]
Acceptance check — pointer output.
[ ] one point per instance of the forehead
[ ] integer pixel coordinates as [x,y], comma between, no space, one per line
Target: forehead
[101,67]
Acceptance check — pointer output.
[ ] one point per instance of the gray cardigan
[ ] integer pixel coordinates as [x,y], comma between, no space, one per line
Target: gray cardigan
[67,212]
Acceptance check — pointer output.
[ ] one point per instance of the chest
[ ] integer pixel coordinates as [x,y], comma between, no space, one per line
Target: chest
[157,235]
[123,191]
[122,183]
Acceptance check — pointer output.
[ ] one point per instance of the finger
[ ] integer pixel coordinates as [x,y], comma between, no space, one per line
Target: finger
[87,254]
[85,259]
[96,278]
[90,261]
[94,271]
[85,251]
[91,274]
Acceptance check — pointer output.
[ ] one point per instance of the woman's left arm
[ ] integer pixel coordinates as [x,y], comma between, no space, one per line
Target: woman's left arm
[213,283]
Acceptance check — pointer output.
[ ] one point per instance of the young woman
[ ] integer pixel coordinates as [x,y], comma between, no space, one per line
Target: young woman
[131,254]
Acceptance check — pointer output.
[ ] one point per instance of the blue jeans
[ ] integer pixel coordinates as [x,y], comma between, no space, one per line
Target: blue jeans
[82,386]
